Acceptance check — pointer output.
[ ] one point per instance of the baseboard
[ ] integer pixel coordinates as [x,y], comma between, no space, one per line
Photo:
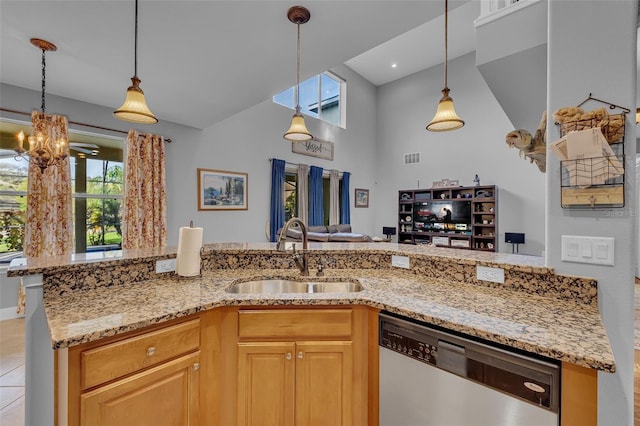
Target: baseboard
[9,313]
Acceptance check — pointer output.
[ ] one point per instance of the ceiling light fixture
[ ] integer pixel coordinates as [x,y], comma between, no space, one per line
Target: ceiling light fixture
[446,117]
[134,108]
[298,130]
[637,115]
[44,148]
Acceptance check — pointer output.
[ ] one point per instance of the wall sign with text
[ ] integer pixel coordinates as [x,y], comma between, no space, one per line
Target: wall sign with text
[315,148]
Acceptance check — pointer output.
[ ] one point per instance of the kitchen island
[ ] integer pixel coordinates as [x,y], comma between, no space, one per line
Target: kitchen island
[92,301]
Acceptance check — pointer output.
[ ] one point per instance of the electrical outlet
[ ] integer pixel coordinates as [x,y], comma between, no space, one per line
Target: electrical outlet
[485,273]
[168,265]
[400,261]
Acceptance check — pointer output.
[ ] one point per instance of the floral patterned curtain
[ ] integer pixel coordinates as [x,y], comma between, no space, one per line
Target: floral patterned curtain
[49,225]
[144,221]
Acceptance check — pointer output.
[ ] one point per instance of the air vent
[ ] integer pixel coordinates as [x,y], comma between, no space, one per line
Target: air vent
[412,158]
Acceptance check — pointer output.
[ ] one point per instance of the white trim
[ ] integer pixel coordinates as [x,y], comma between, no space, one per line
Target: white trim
[504,11]
[9,313]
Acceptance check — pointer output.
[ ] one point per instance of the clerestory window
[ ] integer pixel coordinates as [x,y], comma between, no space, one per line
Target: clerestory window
[322,96]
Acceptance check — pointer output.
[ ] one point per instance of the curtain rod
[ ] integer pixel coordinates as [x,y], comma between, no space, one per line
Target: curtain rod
[296,164]
[13,111]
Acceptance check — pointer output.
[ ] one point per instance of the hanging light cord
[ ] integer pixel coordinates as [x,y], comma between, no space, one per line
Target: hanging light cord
[446,32]
[135,44]
[44,65]
[298,74]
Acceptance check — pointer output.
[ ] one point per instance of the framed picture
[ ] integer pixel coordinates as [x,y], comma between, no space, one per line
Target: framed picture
[362,197]
[222,190]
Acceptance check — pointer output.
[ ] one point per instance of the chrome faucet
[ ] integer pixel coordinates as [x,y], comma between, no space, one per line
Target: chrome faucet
[302,261]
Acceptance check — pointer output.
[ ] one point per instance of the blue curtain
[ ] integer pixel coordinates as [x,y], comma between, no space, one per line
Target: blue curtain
[316,204]
[276,214]
[345,212]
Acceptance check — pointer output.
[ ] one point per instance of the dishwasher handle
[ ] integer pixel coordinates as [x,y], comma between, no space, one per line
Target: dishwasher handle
[451,358]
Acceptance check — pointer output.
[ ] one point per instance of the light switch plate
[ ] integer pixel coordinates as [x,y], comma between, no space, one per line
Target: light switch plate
[400,261]
[594,250]
[485,273]
[167,265]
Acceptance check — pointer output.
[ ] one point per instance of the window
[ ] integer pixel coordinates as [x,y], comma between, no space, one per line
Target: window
[291,196]
[97,188]
[322,97]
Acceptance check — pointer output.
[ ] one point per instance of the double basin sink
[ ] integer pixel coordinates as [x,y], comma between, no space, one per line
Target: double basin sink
[278,286]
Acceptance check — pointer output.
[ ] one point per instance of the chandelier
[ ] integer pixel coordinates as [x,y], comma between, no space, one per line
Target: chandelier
[47,145]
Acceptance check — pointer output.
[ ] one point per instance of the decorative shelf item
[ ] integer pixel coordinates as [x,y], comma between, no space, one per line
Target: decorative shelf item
[591,153]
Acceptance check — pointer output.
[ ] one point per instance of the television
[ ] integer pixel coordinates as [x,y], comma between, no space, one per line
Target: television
[442,216]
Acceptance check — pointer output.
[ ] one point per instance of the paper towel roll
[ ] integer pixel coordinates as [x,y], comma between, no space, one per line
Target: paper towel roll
[189,245]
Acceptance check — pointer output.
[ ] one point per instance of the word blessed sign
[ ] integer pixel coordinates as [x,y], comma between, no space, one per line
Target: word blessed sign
[315,148]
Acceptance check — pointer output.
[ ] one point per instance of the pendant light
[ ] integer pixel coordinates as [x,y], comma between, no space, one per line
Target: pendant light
[45,148]
[446,117]
[298,130]
[134,108]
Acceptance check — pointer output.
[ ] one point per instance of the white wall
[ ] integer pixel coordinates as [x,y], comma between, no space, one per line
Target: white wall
[407,105]
[8,295]
[574,72]
[245,142]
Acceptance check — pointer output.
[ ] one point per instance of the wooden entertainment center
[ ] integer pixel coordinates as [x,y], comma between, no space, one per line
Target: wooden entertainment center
[457,217]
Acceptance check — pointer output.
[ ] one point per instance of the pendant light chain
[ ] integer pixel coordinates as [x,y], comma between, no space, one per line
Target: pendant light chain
[44,66]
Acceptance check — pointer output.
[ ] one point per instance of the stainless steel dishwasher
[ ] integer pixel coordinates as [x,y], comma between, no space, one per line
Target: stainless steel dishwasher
[431,377]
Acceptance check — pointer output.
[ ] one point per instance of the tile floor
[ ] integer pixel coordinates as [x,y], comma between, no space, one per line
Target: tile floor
[12,372]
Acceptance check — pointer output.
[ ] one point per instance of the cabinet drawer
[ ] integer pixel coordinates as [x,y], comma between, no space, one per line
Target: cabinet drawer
[117,359]
[334,323]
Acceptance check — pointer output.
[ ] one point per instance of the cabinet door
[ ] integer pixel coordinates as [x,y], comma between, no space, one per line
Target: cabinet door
[164,395]
[324,383]
[266,388]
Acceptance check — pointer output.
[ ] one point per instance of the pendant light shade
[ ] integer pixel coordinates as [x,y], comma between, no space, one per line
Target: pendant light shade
[134,108]
[298,131]
[446,117]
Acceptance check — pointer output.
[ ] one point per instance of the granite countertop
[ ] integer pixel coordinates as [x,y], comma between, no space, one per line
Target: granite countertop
[565,330]
[50,264]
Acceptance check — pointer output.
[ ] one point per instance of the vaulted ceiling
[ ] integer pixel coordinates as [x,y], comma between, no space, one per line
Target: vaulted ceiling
[203,61]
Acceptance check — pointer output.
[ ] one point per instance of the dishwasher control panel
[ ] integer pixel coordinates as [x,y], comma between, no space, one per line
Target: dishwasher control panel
[409,346]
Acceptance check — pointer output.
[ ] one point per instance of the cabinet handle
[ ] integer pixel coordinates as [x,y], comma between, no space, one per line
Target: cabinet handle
[151,351]
[300,355]
[196,366]
[288,356]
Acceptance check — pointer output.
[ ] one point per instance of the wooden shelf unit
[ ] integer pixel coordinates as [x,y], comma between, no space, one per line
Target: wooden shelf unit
[480,234]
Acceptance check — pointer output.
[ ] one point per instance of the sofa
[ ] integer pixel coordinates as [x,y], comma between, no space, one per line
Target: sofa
[332,233]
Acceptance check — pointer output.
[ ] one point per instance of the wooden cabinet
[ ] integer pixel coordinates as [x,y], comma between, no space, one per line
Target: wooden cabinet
[458,217]
[302,367]
[164,395]
[147,377]
[295,383]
